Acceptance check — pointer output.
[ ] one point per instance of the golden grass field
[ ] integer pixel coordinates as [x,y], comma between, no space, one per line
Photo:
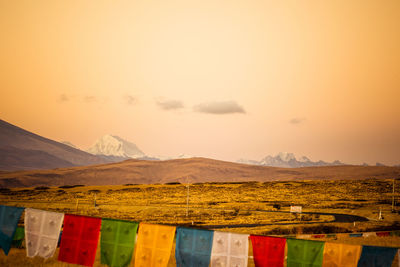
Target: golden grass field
[223,204]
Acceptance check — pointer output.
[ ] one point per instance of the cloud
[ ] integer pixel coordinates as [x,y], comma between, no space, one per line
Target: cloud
[89,99]
[297,120]
[169,104]
[223,107]
[63,98]
[130,100]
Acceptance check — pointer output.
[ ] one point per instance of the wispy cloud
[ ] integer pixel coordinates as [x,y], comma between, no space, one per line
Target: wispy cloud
[224,107]
[89,99]
[169,104]
[297,120]
[63,98]
[130,100]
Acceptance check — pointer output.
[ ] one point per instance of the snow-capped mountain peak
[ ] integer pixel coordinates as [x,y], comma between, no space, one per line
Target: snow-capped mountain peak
[288,160]
[304,159]
[111,145]
[184,156]
[285,156]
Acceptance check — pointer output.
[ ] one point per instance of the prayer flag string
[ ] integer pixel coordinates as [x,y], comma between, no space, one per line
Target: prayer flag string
[194,247]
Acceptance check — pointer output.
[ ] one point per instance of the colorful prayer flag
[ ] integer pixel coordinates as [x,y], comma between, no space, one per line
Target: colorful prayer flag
[42,229]
[356,235]
[369,234]
[154,245]
[395,233]
[377,256]
[193,247]
[18,237]
[304,253]
[337,255]
[268,251]
[117,242]
[9,217]
[398,256]
[382,234]
[79,239]
[229,249]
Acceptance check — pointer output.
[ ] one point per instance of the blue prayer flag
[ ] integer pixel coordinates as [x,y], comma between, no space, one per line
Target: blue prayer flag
[376,256]
[356,235]
[9,217]
[193,247]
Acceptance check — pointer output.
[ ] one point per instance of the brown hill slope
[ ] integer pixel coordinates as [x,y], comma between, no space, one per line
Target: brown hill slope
[22,150]
[12,158]
[194,170]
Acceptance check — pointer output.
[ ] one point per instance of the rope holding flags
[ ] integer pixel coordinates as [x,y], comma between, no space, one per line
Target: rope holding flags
[194,247]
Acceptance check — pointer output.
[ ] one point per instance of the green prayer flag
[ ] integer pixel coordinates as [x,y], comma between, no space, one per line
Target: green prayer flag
[303,253]
[18,237]
[117,242]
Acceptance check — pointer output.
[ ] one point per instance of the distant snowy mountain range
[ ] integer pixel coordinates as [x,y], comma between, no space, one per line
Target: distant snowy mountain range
[289,160]
[114,148]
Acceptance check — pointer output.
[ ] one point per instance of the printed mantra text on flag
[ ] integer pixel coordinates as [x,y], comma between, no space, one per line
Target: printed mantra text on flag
[341,255]
[79,239]
[193,247]
[117,242]
[304,252]
[154,245]
[42,230]
[268,251]
[229,249]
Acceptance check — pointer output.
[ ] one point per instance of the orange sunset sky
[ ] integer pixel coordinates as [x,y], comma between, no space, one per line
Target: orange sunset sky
[219,79]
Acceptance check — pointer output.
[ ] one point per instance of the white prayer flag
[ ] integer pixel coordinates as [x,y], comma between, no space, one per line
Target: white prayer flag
[42,230]
[369,234]
[229,249]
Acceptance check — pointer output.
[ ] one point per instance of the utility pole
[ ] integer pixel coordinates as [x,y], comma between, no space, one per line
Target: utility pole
[187,198]
[393,196]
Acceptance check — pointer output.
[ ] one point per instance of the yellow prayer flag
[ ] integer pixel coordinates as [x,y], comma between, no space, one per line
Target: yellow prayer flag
[341,255]
[154,245]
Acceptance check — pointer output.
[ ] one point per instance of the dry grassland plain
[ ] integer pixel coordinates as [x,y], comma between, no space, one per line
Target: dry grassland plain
[251,207]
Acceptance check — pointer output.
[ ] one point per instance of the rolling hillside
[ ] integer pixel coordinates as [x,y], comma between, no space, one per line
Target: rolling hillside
[193,170]
[23,150]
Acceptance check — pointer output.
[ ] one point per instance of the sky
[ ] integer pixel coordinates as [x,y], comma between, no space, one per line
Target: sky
[224,79]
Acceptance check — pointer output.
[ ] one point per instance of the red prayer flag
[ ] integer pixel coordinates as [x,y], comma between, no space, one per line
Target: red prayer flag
[268,251]
[382,234]
[318,236]
[79,239]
